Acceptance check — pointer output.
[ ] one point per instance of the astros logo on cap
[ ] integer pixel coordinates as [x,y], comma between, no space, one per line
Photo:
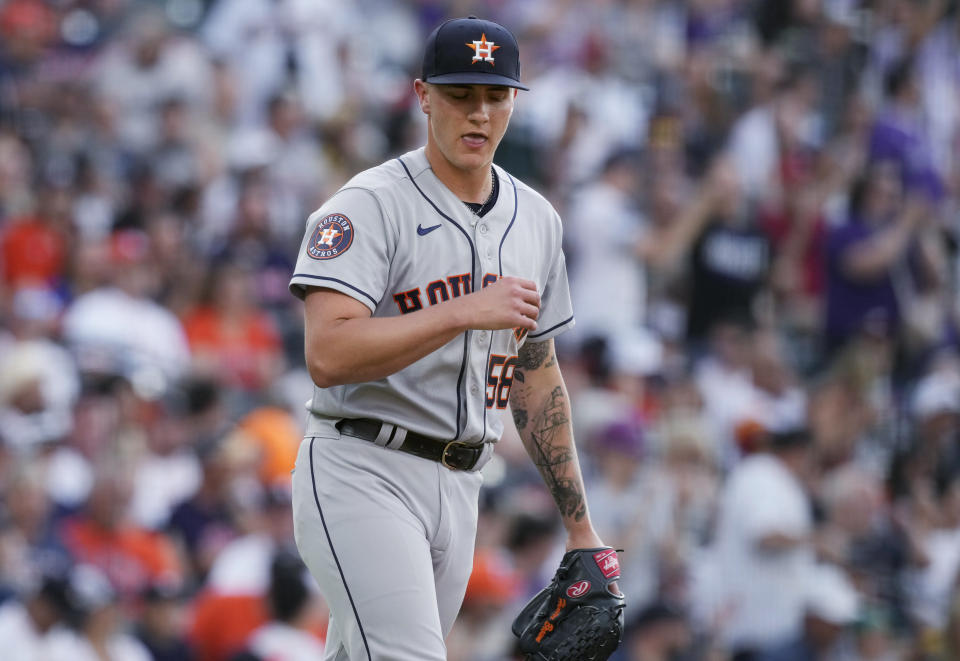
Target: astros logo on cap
[331,238]
[483,50]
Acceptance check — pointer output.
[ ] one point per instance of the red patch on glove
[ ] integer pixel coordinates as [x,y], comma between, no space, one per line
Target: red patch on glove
[578,589]
[608,563]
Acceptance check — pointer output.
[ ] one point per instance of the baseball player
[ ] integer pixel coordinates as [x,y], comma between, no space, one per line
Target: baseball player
[433,285]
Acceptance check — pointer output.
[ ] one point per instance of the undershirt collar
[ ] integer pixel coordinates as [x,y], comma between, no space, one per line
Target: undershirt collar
[481,210]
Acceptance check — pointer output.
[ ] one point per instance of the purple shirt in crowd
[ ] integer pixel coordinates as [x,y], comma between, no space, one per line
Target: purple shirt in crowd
[897,138]
[852,303]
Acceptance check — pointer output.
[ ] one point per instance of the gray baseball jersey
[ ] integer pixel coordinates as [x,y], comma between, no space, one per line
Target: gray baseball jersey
[397,240]
[388,536]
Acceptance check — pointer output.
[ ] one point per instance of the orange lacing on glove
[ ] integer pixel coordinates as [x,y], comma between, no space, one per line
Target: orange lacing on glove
[548,626]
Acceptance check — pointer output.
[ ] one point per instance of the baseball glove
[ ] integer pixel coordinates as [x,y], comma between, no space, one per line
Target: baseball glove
[576,617]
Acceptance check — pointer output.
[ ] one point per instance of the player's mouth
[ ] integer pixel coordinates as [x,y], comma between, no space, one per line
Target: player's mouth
[474,140]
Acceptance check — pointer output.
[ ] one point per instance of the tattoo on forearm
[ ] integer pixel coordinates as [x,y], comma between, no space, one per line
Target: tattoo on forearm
[552,456]
[519,418]
[533,354]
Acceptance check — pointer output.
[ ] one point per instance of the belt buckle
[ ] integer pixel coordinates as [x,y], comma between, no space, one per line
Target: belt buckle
[446,448]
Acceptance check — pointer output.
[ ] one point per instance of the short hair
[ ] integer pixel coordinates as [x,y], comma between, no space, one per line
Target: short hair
[898,76]
[288,592]
[790,438]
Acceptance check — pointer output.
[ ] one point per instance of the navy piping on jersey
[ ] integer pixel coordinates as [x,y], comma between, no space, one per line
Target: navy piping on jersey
[554,327]
[473,287]
[510,226]
[489,348]
[500,270]
[326,531]
[345,284]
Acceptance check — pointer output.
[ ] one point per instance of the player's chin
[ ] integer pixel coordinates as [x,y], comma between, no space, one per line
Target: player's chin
[473,158]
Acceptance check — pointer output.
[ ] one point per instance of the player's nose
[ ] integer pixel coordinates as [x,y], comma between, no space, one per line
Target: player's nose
[479,110]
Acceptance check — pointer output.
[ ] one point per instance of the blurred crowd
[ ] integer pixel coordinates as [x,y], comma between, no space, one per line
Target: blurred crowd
[761,202]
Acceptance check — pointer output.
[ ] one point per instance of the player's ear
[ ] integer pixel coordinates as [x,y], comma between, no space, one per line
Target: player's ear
[423,95]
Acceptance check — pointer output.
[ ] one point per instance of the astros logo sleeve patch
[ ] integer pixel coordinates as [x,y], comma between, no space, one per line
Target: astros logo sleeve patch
[331,238]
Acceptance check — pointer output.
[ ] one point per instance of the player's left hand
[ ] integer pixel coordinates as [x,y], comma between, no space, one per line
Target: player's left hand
[579,616]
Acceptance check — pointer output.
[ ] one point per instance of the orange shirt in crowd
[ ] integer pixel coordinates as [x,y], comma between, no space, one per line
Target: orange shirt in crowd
[276,435]
[221,624]
[31,251]
[132,558]
[238,349]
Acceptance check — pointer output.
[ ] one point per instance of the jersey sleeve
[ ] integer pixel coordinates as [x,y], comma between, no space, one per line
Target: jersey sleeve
[346,247]
[556,309]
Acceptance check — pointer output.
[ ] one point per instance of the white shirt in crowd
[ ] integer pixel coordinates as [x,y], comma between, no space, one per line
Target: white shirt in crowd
[932,588]
[282,642]
[111,331]
[161,482]
[761,592]
[607,282]
[66,645]
[19,639]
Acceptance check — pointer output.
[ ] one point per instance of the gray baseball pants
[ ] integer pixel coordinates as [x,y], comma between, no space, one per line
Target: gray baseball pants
[389,538]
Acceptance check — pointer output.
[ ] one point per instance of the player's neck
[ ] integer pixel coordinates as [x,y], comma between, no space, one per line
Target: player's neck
[472,185]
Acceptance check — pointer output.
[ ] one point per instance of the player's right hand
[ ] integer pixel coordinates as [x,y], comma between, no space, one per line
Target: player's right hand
[507,303]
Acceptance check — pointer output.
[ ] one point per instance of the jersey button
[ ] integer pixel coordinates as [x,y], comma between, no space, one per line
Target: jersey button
[489,254]
[474,389]
[483,229]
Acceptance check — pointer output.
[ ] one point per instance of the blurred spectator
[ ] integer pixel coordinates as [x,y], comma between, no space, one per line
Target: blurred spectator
[162,624]
[33,247]
[767,137]
[28,623]
[603,227]
[866,254]
[276,436]
[482,630]
[119,330]
[624,513]
[933,583]
[179,158]
[780,401]
[232,604]
[724,380]
[97,626]
[898,134]
[616,114]
[38,388]
[30,547]
[286,636]
[531,540]
[167,472]
[658,632]
[830,608]
[280,46]
[206,522]
[299,171]
[730,257]
[147,66]
[763,547]
[130,557]
[230,339]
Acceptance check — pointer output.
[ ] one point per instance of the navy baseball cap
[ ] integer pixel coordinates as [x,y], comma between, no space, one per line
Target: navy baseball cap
[472,51]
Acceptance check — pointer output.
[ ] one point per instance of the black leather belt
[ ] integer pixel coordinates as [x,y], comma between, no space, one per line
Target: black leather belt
[455,455]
